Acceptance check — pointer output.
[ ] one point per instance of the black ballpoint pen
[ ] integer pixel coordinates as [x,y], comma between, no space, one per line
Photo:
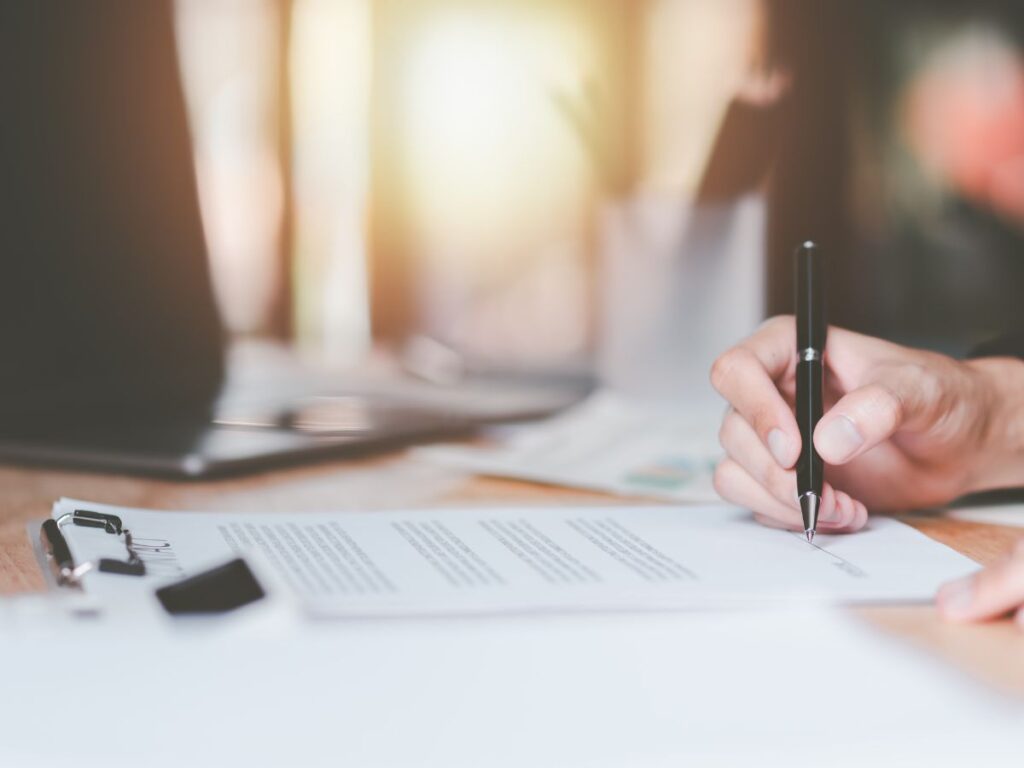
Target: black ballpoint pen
[810,373]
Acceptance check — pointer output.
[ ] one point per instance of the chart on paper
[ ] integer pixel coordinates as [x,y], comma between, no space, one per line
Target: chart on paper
[607,443]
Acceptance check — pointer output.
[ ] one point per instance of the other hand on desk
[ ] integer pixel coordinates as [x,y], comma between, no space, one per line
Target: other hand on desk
[988,594]
[903,428]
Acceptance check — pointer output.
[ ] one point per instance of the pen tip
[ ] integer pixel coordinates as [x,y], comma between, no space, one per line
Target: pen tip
[809,504]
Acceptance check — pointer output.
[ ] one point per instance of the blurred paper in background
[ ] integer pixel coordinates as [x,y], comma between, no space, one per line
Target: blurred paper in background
[608,443]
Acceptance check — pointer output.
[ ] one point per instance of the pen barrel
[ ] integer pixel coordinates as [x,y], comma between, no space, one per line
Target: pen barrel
[810,298]
[809,383]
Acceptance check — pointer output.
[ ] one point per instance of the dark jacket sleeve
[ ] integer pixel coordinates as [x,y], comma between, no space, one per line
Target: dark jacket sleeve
[1011,345]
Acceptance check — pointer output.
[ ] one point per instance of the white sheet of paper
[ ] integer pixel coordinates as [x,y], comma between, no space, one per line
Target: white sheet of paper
[607,443]
[499,559]
[686,689]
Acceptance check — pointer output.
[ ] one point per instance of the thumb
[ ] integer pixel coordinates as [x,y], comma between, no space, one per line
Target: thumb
[868,416]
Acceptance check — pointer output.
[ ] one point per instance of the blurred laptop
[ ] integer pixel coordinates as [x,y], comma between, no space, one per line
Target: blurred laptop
[113,352]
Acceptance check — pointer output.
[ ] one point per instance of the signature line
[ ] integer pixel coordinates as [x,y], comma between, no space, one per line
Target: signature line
[842,562]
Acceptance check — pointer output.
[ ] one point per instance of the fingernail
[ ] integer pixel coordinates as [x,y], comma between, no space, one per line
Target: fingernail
[781,447]
[838,440]
[956,597]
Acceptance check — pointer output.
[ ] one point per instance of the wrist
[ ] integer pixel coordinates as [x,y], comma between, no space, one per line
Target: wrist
[998,461]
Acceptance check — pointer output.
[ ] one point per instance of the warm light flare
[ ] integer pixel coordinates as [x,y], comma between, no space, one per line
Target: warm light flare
[489,157]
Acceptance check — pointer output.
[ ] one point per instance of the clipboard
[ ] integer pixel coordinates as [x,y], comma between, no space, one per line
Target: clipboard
[219,589]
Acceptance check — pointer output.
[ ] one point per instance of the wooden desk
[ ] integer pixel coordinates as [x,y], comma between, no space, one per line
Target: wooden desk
[993,652]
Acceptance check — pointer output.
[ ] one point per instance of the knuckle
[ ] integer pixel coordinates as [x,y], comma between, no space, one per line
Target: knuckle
[727,431]
[723,434]
[721,478]
[928,382]
[724,369]
[763,420]
[885,405]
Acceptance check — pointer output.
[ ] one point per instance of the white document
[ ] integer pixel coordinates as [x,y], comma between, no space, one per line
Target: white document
[607,443]
[760,689]
[485,560]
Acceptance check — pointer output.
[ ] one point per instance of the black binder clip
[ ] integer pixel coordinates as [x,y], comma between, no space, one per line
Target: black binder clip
[66,572]
[217,590]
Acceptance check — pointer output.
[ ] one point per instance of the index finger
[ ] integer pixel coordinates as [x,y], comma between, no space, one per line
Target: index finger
[746,376]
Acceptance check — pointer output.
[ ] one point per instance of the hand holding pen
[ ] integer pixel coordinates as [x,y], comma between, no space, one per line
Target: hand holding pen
[901,428]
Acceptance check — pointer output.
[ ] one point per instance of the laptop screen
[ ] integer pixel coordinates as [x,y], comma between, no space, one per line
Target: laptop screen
[106,305]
